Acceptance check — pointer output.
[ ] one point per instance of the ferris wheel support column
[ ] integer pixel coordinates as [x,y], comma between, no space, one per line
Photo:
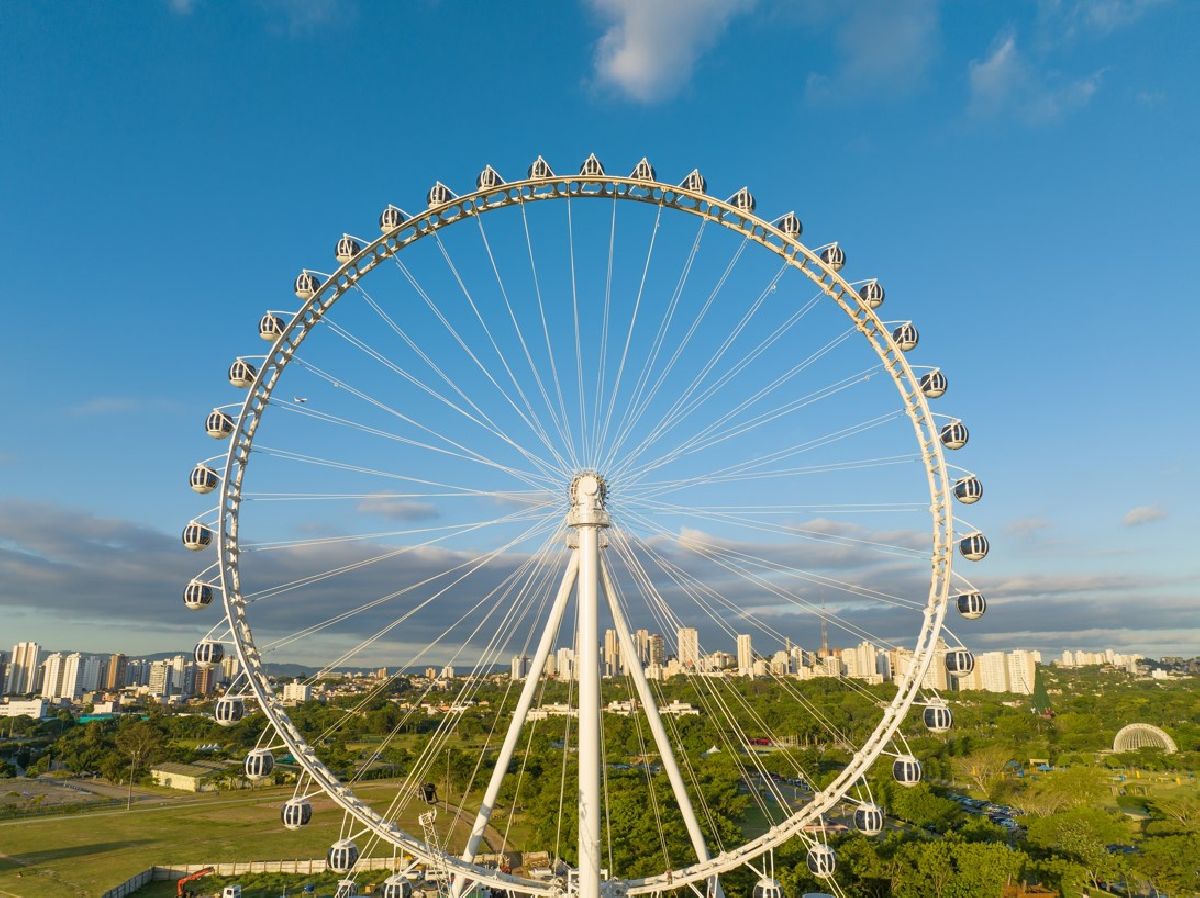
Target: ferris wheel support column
[634,665]
[538,664]
[588,517]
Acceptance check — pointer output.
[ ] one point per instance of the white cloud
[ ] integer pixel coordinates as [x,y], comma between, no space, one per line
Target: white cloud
[649,49]
[1005,83]
[1144,514]
[398,509]
[1070,19]
[181,7]
[122,405]
[1027,527]
[883,45]
[303,17]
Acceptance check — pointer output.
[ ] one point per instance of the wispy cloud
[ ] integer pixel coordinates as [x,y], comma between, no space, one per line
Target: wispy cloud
[1005,84]
[1143,514]
[122,405]
[304,17]
[1027,527]
[649,49]
[182,7]
[883,46]
[1070,19]
[398,509]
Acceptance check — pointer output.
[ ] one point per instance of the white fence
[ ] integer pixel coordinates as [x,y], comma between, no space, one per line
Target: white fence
[302,866]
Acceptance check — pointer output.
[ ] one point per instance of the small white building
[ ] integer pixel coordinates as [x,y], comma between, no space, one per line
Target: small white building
[34,707]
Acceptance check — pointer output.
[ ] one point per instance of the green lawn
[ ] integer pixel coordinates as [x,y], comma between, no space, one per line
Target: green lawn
[87,854]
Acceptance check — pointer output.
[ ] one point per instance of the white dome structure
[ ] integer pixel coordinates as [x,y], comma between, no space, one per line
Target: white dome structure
[1143,735]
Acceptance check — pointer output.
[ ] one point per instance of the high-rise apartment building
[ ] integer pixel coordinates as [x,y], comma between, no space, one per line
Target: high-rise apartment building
[160,679]
[520,667]
[689,647]
[114,672]
[745,655]
[22,669]
[658,649]
[52,675]
[612,654]
[642,640]
[72,677]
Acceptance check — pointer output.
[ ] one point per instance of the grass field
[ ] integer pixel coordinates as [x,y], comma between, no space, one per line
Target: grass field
[86,854]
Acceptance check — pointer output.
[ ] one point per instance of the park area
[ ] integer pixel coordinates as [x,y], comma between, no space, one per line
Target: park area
[86,853]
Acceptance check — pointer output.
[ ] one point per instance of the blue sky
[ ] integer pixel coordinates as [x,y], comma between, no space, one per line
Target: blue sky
[1021,176]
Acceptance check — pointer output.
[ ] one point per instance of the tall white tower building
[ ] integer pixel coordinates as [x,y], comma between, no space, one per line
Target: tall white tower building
[745,655]
[22,668]
[689,648]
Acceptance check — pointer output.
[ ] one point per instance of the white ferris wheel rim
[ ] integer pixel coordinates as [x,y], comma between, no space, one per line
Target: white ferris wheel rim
[459,208]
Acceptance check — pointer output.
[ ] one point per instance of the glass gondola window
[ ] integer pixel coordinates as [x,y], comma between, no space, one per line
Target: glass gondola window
[218,425]
[197,595]
[540,169]
[872,294]
[347,248]
[488,178]
[906,770]
[959,662]
[592,167]
[954,435]
[790,225]
[743,200]
[644,171]
[343,855]
[203,479]
[306,284]
[934,384]
[397,887]
[439,194]
[937,717]
[295,813]
[208,653]
[228,710]
[974,546]
[391,218]
[968,490]
[971,605]
[821,861]
[906,337]
[242,373]
[768,888]
[834,256]
[259,764]
[868,819]
[694,181]
[196,536]
[270,327]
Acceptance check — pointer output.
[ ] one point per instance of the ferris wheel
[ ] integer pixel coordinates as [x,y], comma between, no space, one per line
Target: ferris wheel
[601,437]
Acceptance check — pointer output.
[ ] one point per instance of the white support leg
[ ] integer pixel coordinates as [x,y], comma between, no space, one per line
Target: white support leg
[629,652]
[590,751]
[587,517]
[544,647]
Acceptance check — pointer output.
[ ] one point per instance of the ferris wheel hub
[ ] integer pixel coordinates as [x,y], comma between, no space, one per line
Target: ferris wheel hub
[588,494]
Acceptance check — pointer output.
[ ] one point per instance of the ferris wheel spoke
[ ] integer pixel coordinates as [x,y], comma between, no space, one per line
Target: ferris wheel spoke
[462,344]
[681,413]
[703,595]
[512,315]
[735,739]
[582,399]
[516,496]
[649,489]
[467,569]
[528,477]
[457,530]
[637,305]
[753,465]
[479,417]
[602,360]
[711,434]
[730,562]
[682,404]
[532,421]
[701,314]
[319,461]
[564,419]
[633,408]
